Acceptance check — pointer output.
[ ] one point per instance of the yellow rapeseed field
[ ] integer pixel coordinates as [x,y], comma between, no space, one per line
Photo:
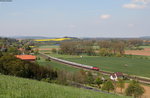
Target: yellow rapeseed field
[56,39]
[31,46]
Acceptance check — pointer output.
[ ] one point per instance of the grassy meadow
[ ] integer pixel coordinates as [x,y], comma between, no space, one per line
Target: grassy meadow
[144,46]
[13,87]
[131,66]
[56,65]
[48,46]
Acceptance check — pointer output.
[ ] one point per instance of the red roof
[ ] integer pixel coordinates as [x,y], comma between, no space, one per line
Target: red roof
[117,74]
[26,57]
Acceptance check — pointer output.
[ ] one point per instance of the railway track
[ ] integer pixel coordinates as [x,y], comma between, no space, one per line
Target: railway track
[138,78]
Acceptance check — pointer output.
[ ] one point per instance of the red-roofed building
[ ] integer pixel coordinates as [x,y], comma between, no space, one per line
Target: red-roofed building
[26,57]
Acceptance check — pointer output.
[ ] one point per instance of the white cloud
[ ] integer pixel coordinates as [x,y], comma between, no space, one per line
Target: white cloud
[72,26]
[137,4]
[105,16]
[131,25]
[142,1]
[134,6]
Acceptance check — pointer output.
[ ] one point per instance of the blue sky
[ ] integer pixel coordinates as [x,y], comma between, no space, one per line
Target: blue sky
[76,18]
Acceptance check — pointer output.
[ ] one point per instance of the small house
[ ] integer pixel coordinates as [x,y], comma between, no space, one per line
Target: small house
[116,75]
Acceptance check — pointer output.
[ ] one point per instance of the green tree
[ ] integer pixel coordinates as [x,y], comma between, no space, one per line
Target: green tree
[1,54]
[36,51]
[90,78]
[13,50]
[89,51]
[104,52]
[108,86]
[134,89]
[80,76]
[98,81]
[54,50]
[121,84]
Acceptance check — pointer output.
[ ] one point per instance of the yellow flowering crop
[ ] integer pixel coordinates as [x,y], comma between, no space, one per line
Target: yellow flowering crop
[57,39]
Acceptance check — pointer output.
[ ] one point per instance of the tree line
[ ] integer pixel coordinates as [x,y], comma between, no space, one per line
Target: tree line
[10,65]
[77,47]
[110,47]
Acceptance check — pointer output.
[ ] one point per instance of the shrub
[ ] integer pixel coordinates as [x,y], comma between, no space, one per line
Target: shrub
[90,78]
[108,86]
[98,81]
[48,59]
[54,50]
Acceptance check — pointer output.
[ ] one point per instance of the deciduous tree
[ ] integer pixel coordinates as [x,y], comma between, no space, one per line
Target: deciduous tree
[121,84]
[108,86]
[134,89]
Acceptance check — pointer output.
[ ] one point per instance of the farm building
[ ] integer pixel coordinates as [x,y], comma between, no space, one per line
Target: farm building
[116,75]
[26,57]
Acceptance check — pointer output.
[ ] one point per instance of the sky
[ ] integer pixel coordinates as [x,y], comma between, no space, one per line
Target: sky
[75,18]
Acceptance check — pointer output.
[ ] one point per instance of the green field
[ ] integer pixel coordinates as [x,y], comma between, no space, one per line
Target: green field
[144,46]
[49,46]
[56,65]
[131,66]
[13,87]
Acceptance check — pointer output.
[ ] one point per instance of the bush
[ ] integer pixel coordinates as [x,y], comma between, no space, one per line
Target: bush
[90,78]
[118,55]
[108,86]
[98,82]
[48,59]
[54,50]
[1,54]
[38,58]
[80,76]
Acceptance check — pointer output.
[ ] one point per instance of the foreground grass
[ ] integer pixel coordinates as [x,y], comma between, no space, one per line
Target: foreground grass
[131,66]
[13,87]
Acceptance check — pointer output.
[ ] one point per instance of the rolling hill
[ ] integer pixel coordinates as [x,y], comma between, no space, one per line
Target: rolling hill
[13,87]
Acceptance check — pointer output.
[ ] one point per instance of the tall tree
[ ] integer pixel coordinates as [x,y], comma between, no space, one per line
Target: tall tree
[98,81]
[121,84]
[108,86]
[134,89]
[90,78]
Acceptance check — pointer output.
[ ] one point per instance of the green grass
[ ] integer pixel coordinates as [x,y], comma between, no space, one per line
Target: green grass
[135,66]
[13,87]
[144,46]
[49,46]
[47,51]
[56,65]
